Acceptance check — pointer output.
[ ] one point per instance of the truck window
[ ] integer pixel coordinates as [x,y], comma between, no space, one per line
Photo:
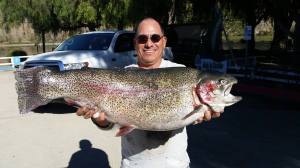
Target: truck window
[124,43]
[96,41]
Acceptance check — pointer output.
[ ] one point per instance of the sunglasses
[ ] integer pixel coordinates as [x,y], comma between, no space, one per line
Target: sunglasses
[143,39]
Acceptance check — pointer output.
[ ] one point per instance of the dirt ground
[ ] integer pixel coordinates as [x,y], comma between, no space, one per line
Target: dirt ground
[45,140]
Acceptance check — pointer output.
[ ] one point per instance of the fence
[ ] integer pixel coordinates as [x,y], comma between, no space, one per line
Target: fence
[248,68]
[10,63]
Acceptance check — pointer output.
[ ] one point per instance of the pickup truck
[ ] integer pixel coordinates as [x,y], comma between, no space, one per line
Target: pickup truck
[98,49]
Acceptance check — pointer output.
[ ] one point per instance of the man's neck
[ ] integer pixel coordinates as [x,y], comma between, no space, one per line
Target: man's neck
[150,66]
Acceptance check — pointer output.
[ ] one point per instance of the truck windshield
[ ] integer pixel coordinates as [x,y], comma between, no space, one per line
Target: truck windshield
[93,41]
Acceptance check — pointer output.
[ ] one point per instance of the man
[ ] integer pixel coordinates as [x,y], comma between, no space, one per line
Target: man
[145,149]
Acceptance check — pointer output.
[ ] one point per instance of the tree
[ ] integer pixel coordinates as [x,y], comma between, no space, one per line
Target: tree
[38,12]
[12,12]
[115,14]
[283,14]
[251,12]
[41,15]
[74,14]
[53,15]
[138,9]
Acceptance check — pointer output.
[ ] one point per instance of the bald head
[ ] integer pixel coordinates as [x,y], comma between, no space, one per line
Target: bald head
[148,20]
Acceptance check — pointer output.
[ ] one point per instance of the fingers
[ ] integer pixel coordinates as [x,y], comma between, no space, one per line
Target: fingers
[205,117]
[101,120]
[89,113]
[102,117]
[85,112]
[80,111]
[216,114]
[208,115]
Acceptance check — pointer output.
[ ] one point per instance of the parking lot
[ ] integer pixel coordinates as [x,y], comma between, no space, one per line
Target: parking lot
[257,132]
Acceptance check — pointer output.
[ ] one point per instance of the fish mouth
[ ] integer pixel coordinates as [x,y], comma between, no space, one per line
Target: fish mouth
[229,87]
[231,99]
[237,98]
[227,90]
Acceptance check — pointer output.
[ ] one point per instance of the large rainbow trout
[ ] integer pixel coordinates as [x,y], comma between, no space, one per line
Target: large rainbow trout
[157,99]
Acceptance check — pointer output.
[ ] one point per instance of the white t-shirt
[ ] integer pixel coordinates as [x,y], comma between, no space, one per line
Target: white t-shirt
[151,149]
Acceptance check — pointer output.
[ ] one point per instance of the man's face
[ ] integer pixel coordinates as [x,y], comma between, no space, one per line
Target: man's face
[149,44]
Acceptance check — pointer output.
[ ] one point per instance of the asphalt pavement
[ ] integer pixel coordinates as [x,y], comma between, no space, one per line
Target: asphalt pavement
[258,132]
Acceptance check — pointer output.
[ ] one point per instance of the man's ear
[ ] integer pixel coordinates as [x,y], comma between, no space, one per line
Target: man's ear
[164,41]
[134,42]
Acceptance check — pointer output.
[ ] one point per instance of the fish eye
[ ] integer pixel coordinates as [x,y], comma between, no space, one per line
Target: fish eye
[223,81]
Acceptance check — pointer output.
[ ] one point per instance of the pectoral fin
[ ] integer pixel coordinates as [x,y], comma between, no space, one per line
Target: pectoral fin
[124,130]
[196,110]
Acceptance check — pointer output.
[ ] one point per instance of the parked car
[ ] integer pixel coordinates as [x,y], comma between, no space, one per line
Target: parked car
[99,49]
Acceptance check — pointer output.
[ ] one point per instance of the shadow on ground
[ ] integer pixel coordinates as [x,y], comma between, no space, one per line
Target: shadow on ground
[256,132]
[88,157]
[55,108]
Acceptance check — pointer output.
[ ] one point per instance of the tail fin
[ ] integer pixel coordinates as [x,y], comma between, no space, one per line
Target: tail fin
[27,87]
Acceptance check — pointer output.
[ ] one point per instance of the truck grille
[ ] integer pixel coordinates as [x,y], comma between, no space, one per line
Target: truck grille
[47,63]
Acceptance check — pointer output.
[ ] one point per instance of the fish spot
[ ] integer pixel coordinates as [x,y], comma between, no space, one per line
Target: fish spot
[151,85]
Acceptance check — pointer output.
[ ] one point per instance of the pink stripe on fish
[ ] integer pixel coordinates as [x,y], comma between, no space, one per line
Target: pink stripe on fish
[130,91]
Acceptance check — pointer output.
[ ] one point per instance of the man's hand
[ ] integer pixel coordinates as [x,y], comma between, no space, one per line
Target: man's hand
[98,118]
[86,112]
[208,115]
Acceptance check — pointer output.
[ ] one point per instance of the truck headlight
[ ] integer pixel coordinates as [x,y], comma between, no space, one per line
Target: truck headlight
[21,66]
[75,65]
